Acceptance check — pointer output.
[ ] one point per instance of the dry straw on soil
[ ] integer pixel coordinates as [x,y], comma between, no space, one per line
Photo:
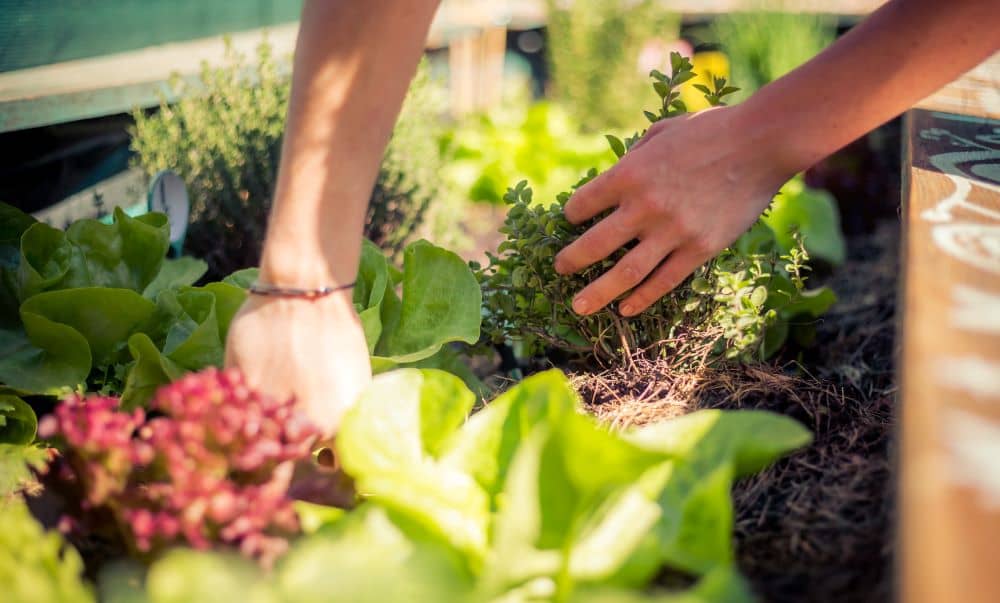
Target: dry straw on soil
[816,526]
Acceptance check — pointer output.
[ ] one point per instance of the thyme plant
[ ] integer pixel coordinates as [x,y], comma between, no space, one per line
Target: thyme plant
[735,307]
[224,139]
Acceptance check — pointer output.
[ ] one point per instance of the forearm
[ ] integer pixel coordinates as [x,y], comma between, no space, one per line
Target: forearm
[353,64]
[903,52]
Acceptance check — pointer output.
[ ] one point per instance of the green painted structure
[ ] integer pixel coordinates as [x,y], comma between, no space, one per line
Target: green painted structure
[42,32]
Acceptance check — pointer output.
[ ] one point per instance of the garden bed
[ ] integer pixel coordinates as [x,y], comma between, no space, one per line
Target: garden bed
[816,526]
[751,417]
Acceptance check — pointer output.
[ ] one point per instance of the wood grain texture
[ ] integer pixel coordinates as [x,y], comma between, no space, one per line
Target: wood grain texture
[950,359]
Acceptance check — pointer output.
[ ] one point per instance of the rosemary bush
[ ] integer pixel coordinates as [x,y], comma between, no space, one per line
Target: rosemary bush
[739,306]
[224,138]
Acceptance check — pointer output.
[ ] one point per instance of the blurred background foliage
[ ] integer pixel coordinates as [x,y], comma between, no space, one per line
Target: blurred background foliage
[600,53]
[540,142]
[763,46]
[224,139]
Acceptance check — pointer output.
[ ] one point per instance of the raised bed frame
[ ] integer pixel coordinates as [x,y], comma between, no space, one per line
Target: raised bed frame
[950,359]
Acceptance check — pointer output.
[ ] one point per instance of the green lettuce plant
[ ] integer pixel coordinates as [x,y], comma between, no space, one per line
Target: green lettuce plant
[439,303]
[528,499]
[99,308]
[540,142]
[93,299]
[36,566]
[738,306]
[809,213]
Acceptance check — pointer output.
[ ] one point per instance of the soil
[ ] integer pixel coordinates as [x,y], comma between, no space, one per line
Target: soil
[818,525]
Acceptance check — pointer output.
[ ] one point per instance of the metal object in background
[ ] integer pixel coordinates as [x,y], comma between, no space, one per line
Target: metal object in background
[168,195]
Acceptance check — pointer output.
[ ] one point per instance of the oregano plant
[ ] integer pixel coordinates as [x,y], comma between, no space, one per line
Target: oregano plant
[738,306]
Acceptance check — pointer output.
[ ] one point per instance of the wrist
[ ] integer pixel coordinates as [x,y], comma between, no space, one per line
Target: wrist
[297,258]
[298,268]
[776,137]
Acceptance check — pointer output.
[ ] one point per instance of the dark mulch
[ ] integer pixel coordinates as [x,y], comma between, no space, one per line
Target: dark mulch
[817,526]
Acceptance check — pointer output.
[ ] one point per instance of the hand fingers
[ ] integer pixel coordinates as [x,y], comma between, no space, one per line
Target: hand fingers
[664,279]
[624,275]
[594,197]
[600,241]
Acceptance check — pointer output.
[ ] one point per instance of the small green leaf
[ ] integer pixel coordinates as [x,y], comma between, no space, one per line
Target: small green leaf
[150,370]
[616,145]
[181,272]
[813,303]
[243,278]
[701,285]
[676,61]
[683,77]
[18,422]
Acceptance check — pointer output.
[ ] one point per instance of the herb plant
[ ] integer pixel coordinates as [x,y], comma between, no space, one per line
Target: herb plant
[224,139]
[736,307]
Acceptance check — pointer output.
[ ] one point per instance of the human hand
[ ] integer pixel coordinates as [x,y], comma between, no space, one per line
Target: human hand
[689,188]
[314,350]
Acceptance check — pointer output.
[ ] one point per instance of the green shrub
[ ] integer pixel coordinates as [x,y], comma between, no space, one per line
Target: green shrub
[594,48]
[224,139]
[763,46]
[738,306]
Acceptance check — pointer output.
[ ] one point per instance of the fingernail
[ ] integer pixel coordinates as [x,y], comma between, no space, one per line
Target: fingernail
[580,305]
[626,309]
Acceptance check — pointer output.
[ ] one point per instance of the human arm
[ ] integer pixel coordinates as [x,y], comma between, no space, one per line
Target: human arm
[692,185]
[353,65]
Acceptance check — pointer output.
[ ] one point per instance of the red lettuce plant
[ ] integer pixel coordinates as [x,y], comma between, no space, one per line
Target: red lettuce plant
[210,464]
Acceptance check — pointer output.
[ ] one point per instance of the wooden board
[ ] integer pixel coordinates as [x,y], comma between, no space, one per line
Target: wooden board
[950,360]
[117,83]
[977,93]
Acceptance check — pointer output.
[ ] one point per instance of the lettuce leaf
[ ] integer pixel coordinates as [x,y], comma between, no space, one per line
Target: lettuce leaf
[18,422]
[813,214]
[35,564]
